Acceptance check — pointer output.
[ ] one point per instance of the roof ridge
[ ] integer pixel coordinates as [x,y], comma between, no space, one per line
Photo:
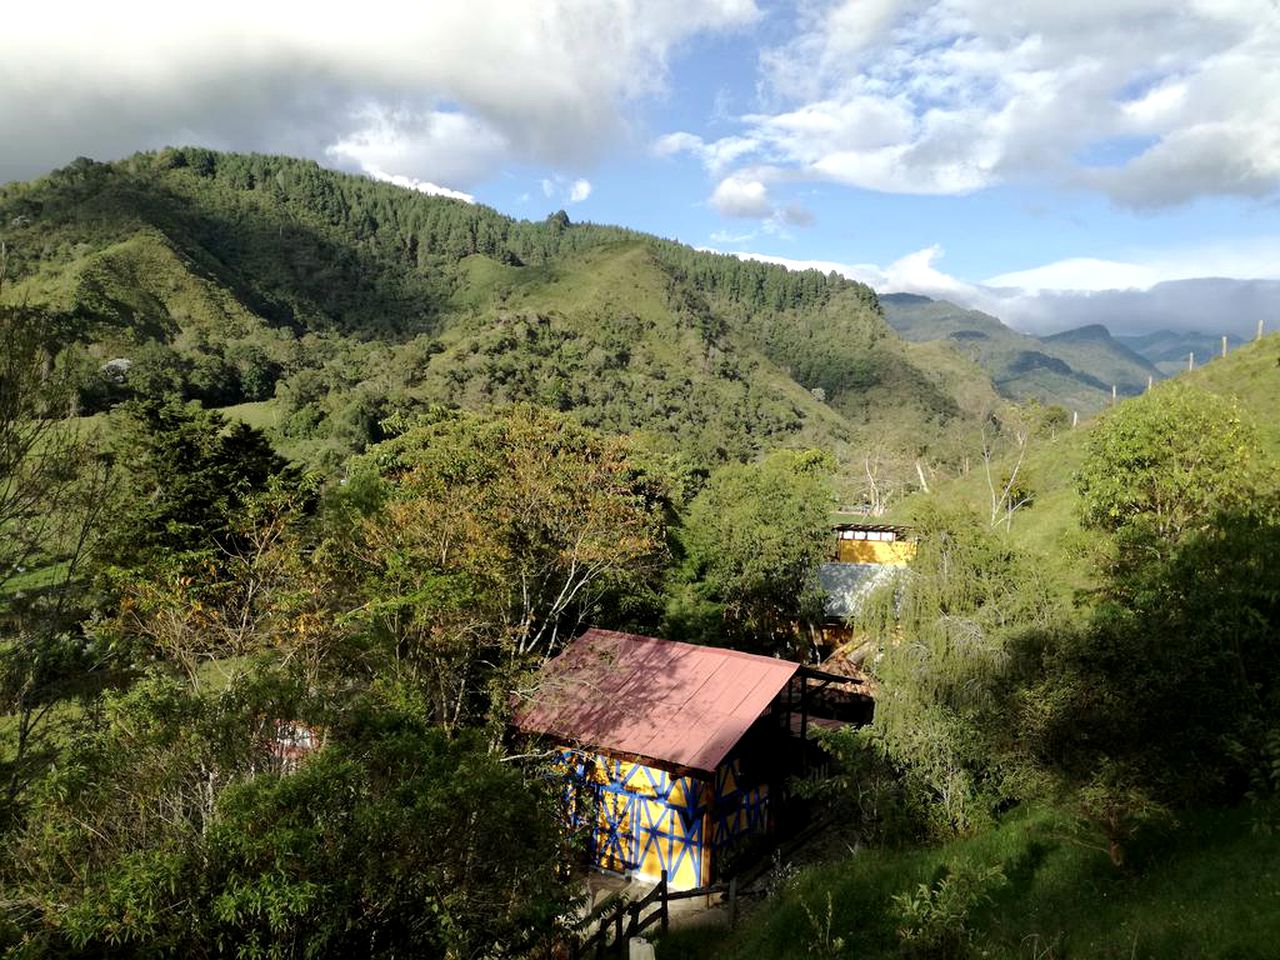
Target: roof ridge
[702,647]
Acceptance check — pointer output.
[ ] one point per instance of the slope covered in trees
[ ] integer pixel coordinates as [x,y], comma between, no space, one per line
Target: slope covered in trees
[230,278]
[570,426]
[1051,771]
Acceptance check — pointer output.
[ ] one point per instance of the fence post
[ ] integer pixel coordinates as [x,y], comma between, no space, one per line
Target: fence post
[619,944]
[733,903]
[665,890]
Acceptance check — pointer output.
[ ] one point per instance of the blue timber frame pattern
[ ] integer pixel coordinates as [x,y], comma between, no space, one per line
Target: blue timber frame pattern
[740,810]
[641,820]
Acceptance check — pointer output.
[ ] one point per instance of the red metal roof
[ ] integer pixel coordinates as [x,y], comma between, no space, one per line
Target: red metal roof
[668,701]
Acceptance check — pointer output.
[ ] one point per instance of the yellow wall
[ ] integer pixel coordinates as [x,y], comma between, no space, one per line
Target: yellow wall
[891,552]
[646,820]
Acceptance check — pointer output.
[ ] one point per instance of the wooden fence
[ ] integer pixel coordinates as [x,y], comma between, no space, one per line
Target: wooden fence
[629,918]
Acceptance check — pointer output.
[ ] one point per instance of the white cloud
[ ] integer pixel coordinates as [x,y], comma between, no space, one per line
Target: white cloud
[742,196]
[565,191]
[733,239]
[746,195]
[1080,273]
[422,186]
[392,84]
[716,156]
[456,147]
[1254,258]
[953,96]
[913,273]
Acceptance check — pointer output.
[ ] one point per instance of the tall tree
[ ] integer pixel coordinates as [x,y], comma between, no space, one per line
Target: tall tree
[52,491]
[1162,464]
[753,538]
[503,535]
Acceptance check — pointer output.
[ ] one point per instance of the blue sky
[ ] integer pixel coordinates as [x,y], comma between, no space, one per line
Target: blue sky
[1043,161]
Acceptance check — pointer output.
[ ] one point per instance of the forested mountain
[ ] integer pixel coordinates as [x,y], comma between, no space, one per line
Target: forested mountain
[256,687]
[232,279]
[1075,368]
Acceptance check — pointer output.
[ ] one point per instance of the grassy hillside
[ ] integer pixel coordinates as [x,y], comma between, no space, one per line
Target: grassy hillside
[1049,525]
[340,301]
[1074,369]
[1208,891]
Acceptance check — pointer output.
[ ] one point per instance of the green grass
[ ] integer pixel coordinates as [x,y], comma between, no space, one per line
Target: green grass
[261,414]
[1211,889]
[35,577]
[1049,527]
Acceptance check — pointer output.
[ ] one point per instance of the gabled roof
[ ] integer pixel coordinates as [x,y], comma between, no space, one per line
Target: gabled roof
[847,585]
[659,699]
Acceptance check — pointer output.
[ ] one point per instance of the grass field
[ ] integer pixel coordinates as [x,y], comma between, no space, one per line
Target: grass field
[262,414]
[1210,889]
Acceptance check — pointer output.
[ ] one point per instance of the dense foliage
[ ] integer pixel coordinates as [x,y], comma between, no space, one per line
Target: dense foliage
[256,685]
[752,539]
[172,830]
[340,300]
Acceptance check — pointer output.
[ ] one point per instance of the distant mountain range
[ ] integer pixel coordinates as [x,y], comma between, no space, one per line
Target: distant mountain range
[1170,350]
[1075,368]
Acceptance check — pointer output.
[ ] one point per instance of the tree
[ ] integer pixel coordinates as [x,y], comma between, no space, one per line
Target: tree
[753,538]
[485,542]
[205,556]
[1162,464]
[1007,491]
[38,454]
[943,632]
[1167,694]
[170,830]
[185,475]
[52,492]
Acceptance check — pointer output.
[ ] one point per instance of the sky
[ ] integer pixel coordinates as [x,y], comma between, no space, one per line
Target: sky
[1052,163]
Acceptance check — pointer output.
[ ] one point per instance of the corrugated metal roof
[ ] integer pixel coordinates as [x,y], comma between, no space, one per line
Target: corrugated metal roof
[847,585]
[660,699]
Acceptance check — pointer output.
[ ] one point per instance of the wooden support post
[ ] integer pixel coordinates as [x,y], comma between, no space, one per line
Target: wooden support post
[804,721]
[1113,394]
[1150,381]
[665,913]
[1191,360]
[733,903]
[619,943]
[1075,418]
[1224,347]
[1259,336]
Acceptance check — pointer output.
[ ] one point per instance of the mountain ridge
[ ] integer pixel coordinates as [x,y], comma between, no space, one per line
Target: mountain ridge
[1074,368]
[341,301]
